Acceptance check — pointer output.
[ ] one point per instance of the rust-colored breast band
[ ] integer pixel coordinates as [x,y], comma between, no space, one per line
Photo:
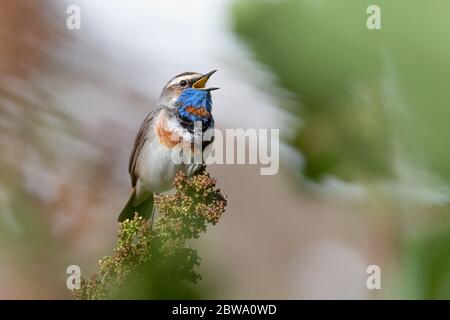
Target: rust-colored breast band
[201,112]
[165,136]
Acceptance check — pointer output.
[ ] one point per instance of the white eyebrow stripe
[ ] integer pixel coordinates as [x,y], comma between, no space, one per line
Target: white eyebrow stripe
[178,79]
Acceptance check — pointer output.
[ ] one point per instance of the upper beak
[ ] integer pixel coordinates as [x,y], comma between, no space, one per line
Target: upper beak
[201,82]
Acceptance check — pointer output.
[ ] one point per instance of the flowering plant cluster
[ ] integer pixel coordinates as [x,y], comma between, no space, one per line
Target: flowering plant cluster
[145,255]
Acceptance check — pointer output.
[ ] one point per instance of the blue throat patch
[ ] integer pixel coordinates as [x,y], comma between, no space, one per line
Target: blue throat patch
[195,105]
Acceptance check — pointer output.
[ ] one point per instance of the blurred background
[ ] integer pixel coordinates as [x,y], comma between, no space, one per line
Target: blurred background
[363,115]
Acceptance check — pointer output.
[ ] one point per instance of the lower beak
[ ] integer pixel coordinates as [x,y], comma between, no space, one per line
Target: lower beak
[200,83]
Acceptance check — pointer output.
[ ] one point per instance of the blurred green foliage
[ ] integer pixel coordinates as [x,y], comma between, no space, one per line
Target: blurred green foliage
[427,264]
[361,93]
[367,98]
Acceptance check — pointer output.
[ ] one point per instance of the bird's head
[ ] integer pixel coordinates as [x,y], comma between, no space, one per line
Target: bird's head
[187,93]
[175,87]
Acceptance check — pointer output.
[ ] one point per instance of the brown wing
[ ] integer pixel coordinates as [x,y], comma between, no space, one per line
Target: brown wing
[138,143]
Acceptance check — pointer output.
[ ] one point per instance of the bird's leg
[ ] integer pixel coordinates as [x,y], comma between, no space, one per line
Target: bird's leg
[153,219]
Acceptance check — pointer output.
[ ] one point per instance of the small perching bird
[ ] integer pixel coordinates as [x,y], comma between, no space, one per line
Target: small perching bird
[184,101]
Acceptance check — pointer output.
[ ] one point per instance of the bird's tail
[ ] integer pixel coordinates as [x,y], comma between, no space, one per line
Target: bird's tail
[144,208]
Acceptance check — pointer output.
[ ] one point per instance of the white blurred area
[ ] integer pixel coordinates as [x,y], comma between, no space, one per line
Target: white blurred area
[275,241]
[151,41]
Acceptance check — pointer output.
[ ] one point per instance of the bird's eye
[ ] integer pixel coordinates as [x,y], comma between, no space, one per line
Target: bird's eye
[183,83]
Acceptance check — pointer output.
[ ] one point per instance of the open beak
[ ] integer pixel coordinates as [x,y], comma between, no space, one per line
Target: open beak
[201,82]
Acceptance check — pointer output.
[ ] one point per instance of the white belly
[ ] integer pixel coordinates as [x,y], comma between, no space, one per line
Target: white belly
[157,170]
[158,167]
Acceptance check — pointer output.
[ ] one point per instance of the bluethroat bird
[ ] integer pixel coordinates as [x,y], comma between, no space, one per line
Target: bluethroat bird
[184,102]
